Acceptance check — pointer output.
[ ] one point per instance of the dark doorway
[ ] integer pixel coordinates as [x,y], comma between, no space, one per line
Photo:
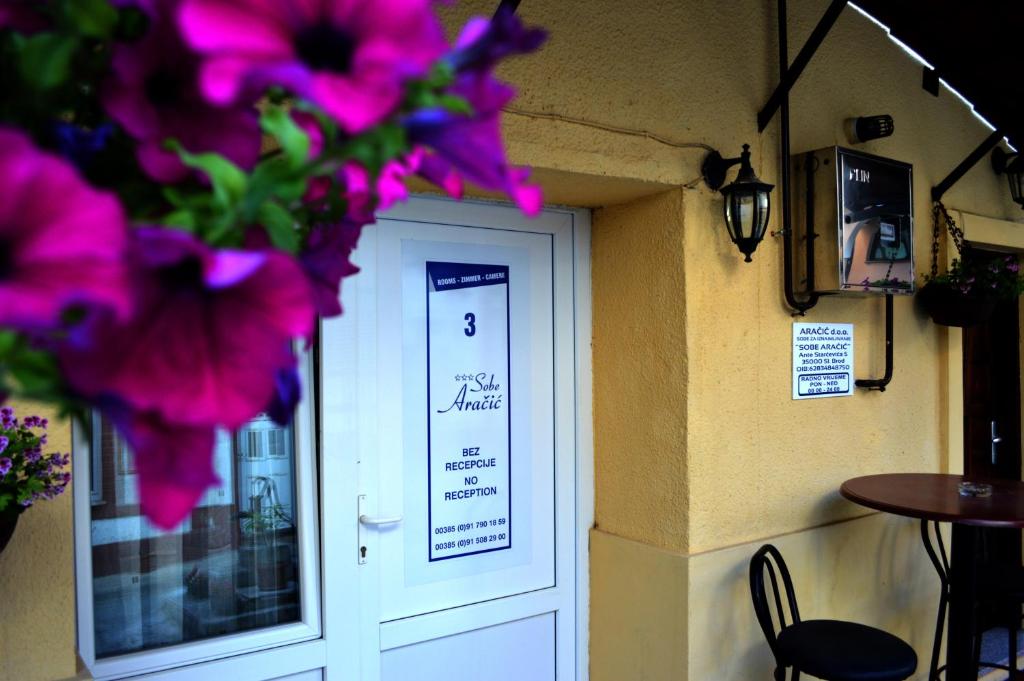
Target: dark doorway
[992,420]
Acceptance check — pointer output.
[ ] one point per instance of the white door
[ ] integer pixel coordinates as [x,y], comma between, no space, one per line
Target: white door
[449,419]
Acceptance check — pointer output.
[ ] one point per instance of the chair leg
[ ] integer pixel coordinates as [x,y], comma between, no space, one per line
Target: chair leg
[940,623]
[780,674]
[978,635]
[1012,662]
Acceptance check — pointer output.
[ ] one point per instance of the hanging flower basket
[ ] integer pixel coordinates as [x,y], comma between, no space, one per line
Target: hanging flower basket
[949,307]
[968,292]
[8,521]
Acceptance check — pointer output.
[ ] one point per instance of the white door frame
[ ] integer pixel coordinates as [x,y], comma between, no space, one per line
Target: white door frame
[346,636]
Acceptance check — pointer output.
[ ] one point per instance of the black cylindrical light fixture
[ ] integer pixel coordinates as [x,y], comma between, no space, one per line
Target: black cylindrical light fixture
[868,128]
[747,204]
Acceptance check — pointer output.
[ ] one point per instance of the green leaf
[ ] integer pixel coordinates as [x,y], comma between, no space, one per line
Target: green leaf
[45,59]
[228,180]
[280,226]
[36,373]
[294,141]
[8,342]
[93,18]
[182,218]
[455,104]
[273,178]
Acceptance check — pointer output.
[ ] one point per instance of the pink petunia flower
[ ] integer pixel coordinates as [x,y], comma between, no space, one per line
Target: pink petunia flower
[326,262]
[350,57]
[153,92]
[174,461]
[364,197]
[470,146]
[62,243]
[23,16]
[209,335]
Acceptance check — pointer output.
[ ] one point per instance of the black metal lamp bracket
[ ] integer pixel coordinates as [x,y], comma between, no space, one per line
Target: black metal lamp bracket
[504,5]
[792,73]
[880,384]
[990,142]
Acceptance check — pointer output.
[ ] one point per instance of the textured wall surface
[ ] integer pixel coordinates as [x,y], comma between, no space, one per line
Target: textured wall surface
[37,583]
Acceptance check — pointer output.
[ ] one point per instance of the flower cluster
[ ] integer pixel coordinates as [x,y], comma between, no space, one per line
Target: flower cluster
[186,180]
[26,474]
[973,276]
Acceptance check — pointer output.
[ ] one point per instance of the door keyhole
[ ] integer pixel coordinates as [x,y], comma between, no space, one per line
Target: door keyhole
[362,552]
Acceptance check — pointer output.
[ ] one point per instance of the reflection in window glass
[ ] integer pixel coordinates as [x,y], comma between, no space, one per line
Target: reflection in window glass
[232,566]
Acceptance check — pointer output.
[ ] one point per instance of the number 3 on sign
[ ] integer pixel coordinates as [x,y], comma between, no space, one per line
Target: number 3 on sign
[470,329]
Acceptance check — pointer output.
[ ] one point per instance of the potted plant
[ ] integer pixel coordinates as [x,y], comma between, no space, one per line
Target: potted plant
[272,559]
[26,474]
[967,293]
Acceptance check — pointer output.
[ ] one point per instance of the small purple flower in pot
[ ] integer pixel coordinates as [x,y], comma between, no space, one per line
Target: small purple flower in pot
[5,466]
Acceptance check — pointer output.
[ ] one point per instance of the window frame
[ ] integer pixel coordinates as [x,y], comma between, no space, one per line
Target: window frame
[204,650]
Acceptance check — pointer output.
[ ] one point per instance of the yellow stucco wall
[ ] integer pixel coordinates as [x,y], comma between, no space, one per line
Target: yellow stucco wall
[738,461]
[639,341]
[37,573]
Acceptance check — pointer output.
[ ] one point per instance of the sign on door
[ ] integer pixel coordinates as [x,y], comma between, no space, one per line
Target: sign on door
[468,409]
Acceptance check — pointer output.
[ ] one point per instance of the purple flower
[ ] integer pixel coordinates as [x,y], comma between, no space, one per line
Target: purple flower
[174,461]
[22,15]
[287,394]
[470,146]
[61,241]
[4,441]
[350,57]
[154,93]
[5,466]
[326,262]
[209,335]
[80,145]
[484,42]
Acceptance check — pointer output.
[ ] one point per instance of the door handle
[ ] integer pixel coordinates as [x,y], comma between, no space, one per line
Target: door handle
[388,520]
[995,441]
[366,523]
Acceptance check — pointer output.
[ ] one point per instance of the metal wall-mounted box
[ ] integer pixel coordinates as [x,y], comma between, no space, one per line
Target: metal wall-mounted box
[860,208]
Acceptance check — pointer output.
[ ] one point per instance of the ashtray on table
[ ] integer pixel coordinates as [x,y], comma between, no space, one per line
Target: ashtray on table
[968,488]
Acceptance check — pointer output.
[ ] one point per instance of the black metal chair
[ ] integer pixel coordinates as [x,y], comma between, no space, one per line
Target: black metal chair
[995,583]
[832,650]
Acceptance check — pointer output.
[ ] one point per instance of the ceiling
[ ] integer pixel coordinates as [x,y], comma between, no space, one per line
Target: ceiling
[976,47]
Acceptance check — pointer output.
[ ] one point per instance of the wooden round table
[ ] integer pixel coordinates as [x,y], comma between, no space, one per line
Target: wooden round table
[935,497]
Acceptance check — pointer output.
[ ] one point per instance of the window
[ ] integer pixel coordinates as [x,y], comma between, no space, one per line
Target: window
[240,573]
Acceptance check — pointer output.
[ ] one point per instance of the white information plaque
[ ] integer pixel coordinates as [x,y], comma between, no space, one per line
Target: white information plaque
[468,409]
[822,360]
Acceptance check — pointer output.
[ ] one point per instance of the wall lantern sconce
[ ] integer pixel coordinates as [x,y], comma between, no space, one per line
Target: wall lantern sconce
[747,204]
[1013,166]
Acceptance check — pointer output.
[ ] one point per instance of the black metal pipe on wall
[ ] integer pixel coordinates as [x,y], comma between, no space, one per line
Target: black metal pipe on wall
[800,306]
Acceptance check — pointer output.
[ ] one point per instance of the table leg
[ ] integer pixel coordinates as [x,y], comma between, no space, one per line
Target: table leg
[960,663]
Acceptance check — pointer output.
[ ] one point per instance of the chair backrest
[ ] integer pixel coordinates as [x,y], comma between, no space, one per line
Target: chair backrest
[769,561]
